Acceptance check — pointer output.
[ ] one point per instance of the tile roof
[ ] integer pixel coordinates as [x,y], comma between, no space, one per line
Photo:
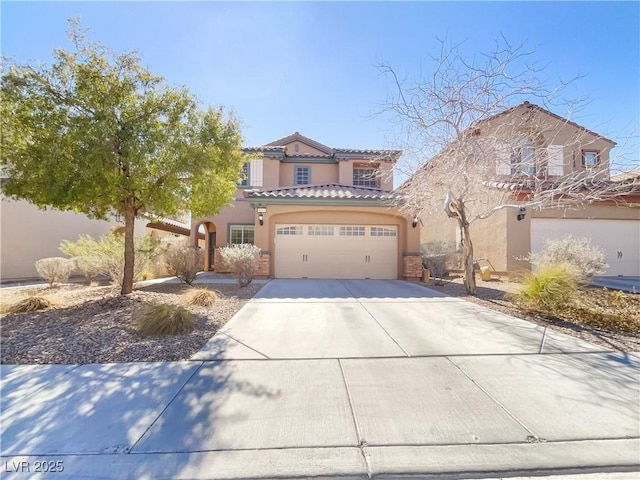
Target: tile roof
[279,146]
[624,176]
[324,191]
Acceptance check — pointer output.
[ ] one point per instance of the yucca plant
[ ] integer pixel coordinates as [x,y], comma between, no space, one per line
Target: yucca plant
[162,319]
[200,297]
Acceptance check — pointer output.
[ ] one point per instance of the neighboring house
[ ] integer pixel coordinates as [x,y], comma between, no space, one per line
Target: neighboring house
[317,212]
[29,234]
[551,148]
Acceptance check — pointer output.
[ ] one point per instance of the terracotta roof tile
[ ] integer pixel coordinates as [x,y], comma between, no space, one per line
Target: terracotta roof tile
[324,191]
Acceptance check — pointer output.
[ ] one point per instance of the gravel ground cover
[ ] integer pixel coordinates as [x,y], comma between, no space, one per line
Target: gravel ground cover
[93,324]
[494,294]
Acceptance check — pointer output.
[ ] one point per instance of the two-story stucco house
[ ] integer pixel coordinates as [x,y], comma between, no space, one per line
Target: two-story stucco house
[318,212]
[550,148]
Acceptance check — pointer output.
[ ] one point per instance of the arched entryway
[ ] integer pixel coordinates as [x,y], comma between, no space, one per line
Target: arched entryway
[206,230]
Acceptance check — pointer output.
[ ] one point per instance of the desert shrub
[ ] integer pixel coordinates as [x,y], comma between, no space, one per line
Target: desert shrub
[105,256]
[55,269]
[437,257]
[183,260]
[242,260]
[161,319]
[30,304]
[147,275]
[201,297]
[579,254]
[549,286]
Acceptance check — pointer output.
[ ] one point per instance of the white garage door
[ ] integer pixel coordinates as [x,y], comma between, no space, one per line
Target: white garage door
[620,239]
[336,251]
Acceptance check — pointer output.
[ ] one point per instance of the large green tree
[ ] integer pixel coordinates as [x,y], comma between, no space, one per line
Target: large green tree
[96,132]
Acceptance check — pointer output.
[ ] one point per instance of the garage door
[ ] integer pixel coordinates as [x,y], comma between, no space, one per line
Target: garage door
[620,239]
[336,251]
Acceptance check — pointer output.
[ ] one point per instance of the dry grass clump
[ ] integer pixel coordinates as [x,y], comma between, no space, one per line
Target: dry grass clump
[200,297]
[549,287]
[30,304]
[162,319]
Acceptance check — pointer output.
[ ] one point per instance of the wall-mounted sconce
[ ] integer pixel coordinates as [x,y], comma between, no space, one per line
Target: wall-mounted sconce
[261,212]
[521,213]
[414,224]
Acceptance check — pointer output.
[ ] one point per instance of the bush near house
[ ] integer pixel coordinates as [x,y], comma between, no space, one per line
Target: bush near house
[105,256]
[55,269]
[242,260]
[183,260]
[578,254]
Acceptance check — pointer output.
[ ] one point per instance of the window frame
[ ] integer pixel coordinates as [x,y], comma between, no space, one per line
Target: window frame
[242,226]
[596,153]
[298,168]
[366,179]
[245,182]
[519,166]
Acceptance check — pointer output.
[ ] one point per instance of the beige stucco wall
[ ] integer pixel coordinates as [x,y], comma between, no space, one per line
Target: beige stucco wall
[270,173]
[29,234]
[238,212]
[408,237]
[303,148]
[320,173]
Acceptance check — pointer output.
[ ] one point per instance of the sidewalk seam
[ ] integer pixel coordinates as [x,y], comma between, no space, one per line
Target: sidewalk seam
[166,407]
[495,400]
[245,345]
[361,441]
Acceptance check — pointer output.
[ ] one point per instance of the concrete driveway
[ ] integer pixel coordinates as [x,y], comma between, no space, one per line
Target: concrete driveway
[338,379]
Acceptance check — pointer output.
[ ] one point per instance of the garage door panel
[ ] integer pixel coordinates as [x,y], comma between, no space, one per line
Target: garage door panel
[619,239]
[336,251]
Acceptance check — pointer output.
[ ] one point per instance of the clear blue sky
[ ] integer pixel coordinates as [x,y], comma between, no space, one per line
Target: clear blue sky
[311,67]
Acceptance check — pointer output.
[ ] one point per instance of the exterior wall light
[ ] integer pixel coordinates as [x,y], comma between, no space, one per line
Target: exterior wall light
[261,212]
[521,213]
[414,224]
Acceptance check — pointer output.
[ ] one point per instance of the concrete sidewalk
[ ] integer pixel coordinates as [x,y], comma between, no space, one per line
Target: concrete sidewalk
[256,410]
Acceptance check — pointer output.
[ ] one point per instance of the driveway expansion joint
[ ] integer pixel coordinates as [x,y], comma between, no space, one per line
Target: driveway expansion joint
[533,438]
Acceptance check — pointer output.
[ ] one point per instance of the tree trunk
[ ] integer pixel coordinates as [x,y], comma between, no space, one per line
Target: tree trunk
[129,251]
[467,250]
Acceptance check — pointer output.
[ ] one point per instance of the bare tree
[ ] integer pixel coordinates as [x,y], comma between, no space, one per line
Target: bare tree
[487,147]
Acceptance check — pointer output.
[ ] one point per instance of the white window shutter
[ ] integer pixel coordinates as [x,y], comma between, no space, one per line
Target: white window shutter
[255,175]
[555,160]
[503,158]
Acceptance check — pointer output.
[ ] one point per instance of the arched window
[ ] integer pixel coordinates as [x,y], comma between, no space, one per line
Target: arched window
[523,156]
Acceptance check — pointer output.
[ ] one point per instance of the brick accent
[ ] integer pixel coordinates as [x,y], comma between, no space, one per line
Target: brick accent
[412,267]
[264,266]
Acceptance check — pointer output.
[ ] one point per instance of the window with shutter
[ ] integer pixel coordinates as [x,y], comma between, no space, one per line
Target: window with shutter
[555,160]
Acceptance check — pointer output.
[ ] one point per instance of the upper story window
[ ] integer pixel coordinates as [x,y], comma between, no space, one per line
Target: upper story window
[302,175]
[365,177]
[244,182]
[523,156]
[590,158]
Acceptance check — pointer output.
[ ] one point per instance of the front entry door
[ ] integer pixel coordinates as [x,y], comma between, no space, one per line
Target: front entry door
[212,250]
